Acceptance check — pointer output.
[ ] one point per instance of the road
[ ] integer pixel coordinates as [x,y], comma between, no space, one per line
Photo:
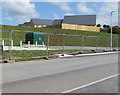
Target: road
[110,85]
[61,75]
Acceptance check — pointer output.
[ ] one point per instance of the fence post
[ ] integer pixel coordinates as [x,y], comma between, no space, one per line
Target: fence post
[36,44]
[63,44]
[82,42]
[3,42]
[10,41]
[48,41]
[117,43]
[20,44]
[29,44]
[107,44]
[97,42]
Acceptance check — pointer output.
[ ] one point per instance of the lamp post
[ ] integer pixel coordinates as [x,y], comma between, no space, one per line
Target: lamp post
[111,31]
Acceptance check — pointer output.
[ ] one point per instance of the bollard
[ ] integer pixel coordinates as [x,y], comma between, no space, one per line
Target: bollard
[3,42]
[11,43]
[20,44]
[43,44]
[28,44]
[36,44]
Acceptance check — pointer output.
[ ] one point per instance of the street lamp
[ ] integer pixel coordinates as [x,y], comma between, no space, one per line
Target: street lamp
[111,31]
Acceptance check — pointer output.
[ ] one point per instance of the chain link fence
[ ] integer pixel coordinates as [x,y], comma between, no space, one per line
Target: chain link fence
[15,45]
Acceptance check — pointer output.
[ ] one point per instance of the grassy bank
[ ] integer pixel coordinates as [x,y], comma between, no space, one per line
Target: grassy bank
[32,53]
[55,31]
[58,40]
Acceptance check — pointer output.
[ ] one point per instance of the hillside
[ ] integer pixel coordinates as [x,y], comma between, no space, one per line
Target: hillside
[57,40]
[55,30]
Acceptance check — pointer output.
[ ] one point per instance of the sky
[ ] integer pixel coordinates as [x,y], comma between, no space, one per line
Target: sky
[14,13]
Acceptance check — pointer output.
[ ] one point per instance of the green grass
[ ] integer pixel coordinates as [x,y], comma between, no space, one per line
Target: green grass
[57,40]
[31,53]
[55,31]
[23,53]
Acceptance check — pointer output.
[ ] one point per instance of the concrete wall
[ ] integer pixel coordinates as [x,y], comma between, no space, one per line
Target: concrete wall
[80,27]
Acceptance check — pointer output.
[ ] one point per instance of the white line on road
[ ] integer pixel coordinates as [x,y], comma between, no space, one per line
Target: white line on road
[92,83]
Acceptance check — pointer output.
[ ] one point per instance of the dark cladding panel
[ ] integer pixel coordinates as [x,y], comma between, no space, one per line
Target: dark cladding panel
[57,21]
[80,19]
[42,22]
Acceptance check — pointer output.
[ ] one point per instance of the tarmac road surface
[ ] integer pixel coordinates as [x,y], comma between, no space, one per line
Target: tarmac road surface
[57,76]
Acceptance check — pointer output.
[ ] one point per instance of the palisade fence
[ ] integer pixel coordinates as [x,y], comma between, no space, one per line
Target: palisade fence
[15,46]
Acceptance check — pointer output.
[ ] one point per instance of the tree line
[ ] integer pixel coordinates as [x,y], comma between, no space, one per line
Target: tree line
[107,28]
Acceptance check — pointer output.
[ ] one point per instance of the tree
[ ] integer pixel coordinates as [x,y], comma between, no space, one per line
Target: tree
[104,26]
[115,30]
[99,25]
[107,26]
[26,22]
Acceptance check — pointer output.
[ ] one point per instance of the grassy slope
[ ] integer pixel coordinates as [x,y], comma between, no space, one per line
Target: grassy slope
[57,40]
[55,30]
[31,53]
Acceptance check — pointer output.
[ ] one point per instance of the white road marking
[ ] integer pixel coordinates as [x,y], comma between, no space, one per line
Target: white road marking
[92,83]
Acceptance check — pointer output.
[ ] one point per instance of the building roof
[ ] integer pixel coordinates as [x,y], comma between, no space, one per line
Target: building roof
[57,21]
[42,21]
[80,19]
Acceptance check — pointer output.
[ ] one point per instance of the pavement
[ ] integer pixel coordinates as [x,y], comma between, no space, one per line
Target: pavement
[54,48]
[60,75]
[83,55]
[80,48]
[26,48]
